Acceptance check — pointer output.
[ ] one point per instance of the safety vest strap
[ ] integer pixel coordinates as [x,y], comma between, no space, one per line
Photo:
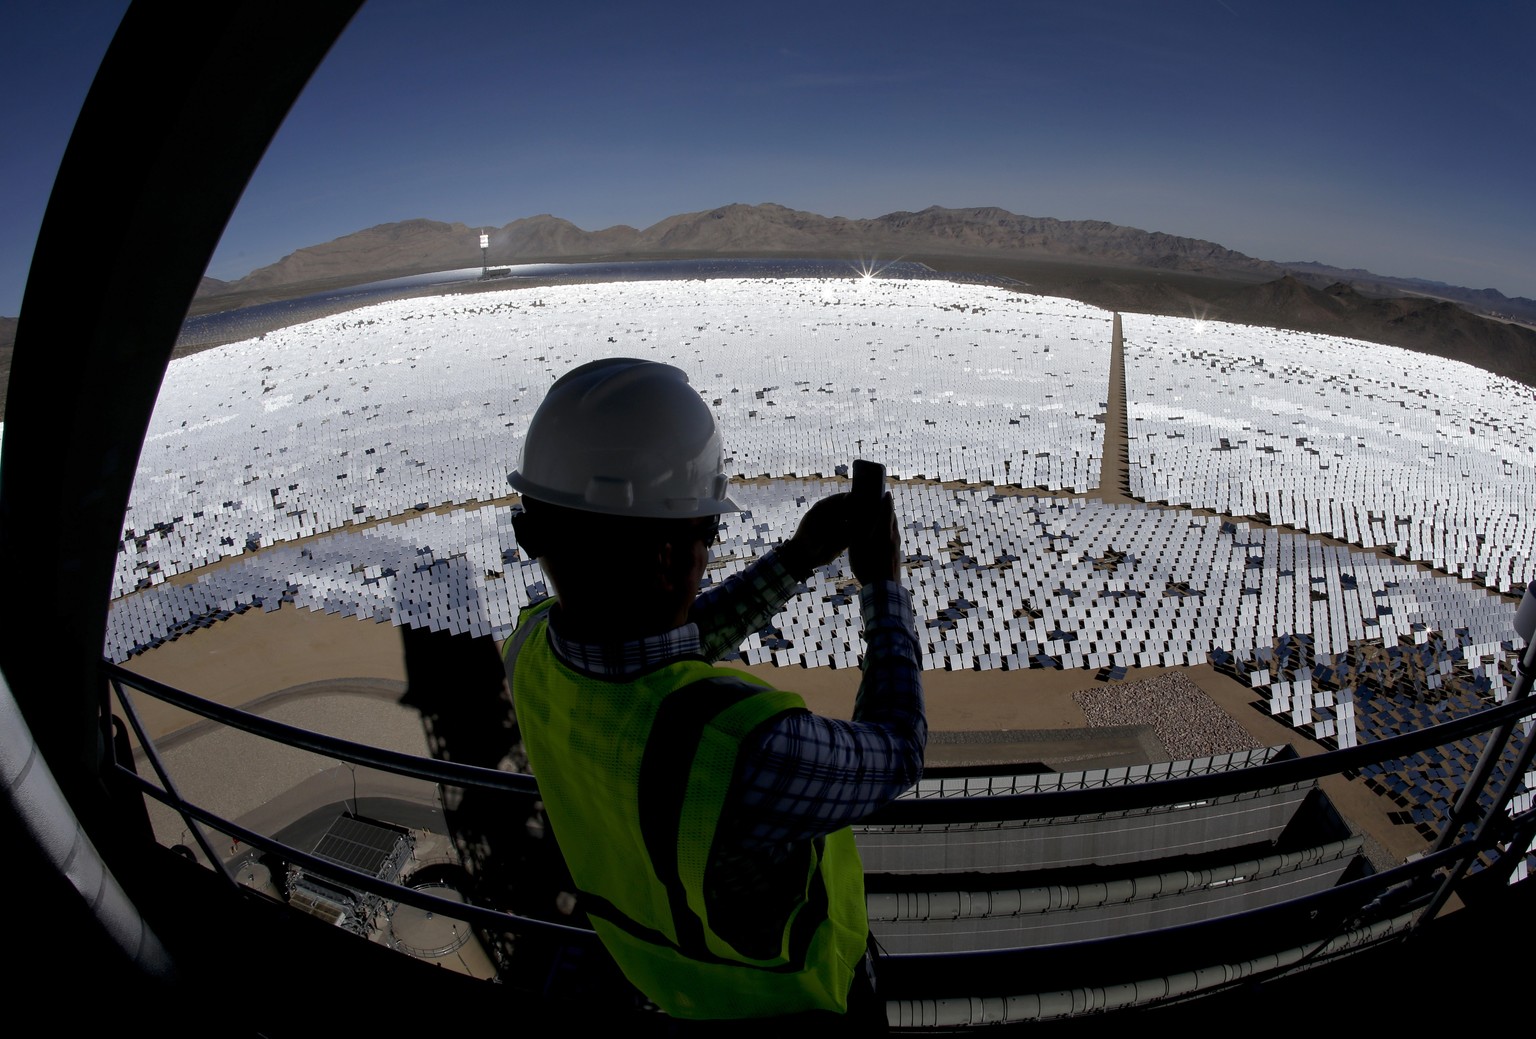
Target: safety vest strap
[664,774]
[599,908]
[514,643]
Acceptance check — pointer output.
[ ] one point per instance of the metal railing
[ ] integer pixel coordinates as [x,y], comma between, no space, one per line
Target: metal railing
[1361,911]
[196,817]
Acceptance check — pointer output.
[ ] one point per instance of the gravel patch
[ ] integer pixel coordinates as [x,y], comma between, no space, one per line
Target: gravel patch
[1187,721]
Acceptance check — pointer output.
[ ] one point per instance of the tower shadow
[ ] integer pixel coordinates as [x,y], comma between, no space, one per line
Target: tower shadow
[457,684]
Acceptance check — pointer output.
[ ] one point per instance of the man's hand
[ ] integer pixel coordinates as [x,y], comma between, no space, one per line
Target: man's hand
[821,536]
[874,548]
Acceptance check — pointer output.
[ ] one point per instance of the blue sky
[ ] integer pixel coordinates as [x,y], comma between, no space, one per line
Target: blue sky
[1391,136]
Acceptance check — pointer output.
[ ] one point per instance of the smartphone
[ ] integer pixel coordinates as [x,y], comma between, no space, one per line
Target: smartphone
[868,481]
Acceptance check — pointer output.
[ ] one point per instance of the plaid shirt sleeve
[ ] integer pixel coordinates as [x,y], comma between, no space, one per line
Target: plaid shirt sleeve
[728,612]
[813,775]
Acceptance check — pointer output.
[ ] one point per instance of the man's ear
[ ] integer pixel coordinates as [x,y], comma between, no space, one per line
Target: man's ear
[674,565]
[527,530]
[666,557]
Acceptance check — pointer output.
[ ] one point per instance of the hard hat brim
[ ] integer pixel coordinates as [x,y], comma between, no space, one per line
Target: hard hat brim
[671,508]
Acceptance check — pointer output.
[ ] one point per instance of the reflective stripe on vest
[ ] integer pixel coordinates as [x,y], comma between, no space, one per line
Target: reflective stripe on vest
[634,775]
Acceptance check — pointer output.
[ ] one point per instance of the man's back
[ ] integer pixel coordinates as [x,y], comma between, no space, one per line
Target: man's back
[638,776]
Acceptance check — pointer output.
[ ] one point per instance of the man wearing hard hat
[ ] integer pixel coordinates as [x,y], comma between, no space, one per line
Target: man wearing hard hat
[703,814]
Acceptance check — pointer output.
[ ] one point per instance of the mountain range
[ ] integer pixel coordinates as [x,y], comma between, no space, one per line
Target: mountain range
[1104,264]
[1107,265]
[416,246]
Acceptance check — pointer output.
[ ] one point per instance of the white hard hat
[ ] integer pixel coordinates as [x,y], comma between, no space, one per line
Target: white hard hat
[625,437]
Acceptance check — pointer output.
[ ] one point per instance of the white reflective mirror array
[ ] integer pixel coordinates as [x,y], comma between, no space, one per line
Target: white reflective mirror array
[370,414]
[398,407]
[1372,445]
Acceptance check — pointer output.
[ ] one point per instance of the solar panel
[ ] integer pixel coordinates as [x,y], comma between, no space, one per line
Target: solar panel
[360,845]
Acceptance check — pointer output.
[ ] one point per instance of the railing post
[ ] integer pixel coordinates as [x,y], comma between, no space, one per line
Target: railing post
[169,785]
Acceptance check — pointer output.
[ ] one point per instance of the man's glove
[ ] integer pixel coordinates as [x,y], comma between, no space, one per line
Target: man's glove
[820,538]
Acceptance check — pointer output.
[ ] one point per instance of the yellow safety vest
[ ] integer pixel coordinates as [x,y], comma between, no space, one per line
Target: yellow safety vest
[634,776]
